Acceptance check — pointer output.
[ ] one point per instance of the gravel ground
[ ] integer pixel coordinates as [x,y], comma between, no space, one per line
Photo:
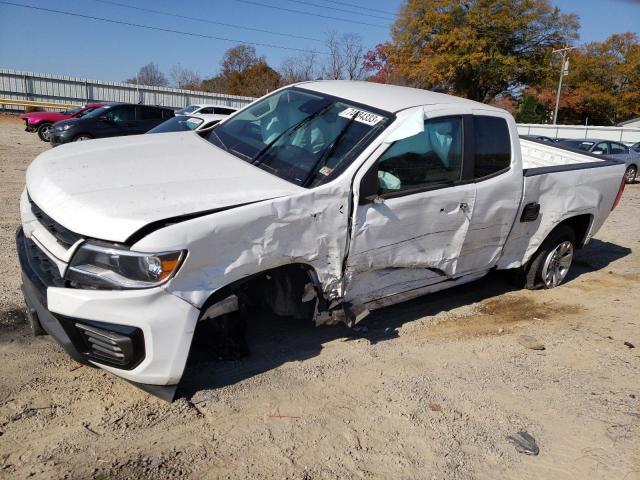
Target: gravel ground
[431,390]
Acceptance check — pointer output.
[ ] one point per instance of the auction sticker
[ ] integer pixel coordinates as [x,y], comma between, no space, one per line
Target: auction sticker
[361,116]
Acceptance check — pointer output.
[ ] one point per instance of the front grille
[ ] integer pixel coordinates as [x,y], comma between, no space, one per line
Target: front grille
[43,267]
[111,344]
[64,236]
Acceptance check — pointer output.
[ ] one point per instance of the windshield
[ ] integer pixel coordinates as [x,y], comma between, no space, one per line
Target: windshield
[189,109]
[83,112]
[180,123]
[301,136]
[71,111]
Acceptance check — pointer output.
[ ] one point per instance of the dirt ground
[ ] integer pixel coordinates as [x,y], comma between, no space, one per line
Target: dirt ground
[430,391]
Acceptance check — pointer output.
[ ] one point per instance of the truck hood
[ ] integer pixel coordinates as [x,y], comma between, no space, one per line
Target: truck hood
[109,189]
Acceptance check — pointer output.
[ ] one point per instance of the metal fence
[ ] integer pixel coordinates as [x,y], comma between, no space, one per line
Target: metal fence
[626,135]
[43,87]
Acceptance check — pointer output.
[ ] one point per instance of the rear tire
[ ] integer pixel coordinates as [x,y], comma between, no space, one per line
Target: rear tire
[631,173]
[44,132]
[82,137]
[550,264]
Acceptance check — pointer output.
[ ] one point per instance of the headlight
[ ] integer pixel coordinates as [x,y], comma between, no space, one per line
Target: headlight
[104,267]
[67,126]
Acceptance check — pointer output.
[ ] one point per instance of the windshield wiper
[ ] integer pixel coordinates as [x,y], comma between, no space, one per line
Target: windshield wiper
[291,129]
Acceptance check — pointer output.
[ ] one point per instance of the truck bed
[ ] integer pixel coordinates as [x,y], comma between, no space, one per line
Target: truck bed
[542,157]
[563,183]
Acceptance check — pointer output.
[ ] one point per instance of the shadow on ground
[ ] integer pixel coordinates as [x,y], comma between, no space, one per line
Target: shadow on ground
[274,341]
[597,255]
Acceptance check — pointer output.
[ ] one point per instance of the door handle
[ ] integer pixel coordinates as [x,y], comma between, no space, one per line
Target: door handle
[464,207]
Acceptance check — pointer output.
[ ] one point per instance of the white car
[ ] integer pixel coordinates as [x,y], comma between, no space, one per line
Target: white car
[182,123]
[219,111]
[321,201]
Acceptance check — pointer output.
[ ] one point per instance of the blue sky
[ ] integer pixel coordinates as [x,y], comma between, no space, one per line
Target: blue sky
[52,43]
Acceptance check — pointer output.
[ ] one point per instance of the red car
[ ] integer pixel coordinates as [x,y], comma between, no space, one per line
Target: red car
[41,121]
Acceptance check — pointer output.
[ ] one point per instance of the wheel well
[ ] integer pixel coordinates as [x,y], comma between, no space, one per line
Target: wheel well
[580,225]
[281,288]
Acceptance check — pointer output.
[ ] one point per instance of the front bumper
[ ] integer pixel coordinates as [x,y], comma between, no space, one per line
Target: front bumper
[58,137]
[149,330]
[28,127]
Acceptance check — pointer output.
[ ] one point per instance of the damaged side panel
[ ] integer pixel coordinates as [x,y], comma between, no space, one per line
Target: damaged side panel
[561,195]
[309,228]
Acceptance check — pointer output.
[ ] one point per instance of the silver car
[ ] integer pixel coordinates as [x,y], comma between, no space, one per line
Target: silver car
[617,150]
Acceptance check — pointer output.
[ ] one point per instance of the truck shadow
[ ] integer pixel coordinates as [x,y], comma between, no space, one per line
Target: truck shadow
[597,255]
[274,341]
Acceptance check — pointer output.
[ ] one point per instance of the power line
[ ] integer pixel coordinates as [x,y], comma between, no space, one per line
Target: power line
[361,6]
[207,21]
[303,2]
[149,27]
[312,14]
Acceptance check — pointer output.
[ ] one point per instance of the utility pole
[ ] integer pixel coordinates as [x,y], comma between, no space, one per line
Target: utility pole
[564,70]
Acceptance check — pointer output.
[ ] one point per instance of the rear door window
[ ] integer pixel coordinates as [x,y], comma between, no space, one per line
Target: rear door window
[149,113]
[492,145]
[617,149]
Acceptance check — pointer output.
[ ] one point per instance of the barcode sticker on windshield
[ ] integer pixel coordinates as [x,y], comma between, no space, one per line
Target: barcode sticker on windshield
[361,116]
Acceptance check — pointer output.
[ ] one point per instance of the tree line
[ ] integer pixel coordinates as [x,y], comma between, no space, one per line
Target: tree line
[243,72]
[493,51]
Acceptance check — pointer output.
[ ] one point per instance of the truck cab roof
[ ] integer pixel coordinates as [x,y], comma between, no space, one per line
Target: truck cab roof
[391,98]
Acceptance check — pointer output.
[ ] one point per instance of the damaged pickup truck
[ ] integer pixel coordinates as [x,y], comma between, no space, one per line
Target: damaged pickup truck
[323,200]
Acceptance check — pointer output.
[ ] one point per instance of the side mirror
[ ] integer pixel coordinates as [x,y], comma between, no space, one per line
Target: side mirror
[369,186]
[598,152]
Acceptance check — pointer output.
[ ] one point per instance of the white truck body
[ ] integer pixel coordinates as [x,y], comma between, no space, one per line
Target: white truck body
[178,192]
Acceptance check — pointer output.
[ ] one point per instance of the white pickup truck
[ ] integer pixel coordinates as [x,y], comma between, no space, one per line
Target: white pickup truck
[323,200]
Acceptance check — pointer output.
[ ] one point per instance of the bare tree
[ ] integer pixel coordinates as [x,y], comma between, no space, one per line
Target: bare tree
[185,78]
[150,74]
[346,57]
[353,56]
[335,66]
[300,68]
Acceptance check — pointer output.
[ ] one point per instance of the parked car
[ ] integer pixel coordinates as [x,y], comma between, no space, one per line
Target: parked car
[220,111]
[113,120]
[611,149]
[636,147]
[41,122]
[183,123]
[541,138]
[321,201]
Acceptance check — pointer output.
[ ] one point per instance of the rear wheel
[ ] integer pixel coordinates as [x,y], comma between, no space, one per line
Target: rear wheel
[550,265]
[82,138]
[630,174]
[44,132]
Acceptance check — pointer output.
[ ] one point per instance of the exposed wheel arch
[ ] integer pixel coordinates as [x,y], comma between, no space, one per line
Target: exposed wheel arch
[243,285]
[581,224]
[221,326]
